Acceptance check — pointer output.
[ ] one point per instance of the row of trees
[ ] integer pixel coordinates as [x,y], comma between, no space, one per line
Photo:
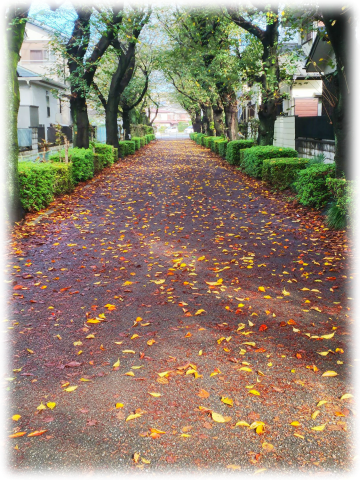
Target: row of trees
[209,56]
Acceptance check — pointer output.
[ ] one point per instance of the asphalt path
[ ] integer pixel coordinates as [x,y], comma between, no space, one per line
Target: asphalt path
[187,304]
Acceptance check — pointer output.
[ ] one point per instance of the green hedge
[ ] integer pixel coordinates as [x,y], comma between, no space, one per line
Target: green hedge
[3,212]
[252,159]
[142,141]
[123,149]
[137,142]
[39,182]
[82,162]
[233,150]
[107,151]
[222,147]
[116,154]
[198,138]
[205,141]
[99,162]
[311,187]
[131,146]
[281,172]
[347,196]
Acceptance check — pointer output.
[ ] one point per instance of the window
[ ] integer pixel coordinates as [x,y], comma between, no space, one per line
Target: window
[47,103]
[39,55]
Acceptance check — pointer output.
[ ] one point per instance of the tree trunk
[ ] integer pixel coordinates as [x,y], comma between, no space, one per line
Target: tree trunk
[340,31]
[231,121]
[15,36]
[80,119]
[111,116]
[197,125]
[267,117]
[218,113]
[126,123]
[207,118]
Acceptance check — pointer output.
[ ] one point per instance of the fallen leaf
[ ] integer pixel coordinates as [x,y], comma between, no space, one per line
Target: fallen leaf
[267,446]
[203,394]
[329,373]
[51,405]
[346,395]
[319,428]
[227,401]
[17,434]
[132,416]
[217,417]
[71,389]
[295,423]
[154,394]
[241,423]
[117,364]
[254,392]
[16,417]
[36,433]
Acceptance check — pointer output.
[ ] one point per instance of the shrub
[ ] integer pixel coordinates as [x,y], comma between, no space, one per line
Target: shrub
[137,142]
[233,150]
[99,162]
[82,164]
[198,138]
[310,185]
[206,141]
[63,180]
[140,130]
[142,141]
[252,159]
[192,135]
[340,211]
[222,147]
[130,144]
[116,154]
[107,151]
[213,141]
[3,212]
[122,149]
[281,172]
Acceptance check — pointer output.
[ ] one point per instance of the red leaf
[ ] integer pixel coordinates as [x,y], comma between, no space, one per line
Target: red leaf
[262,327]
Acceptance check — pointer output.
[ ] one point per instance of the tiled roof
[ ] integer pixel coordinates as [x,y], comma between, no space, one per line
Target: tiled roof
[24,72]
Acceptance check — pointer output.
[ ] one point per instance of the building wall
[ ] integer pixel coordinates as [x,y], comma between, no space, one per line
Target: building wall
[284,133]
[308,148]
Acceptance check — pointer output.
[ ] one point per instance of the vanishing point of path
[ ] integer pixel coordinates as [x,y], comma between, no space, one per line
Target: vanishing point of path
[173,314]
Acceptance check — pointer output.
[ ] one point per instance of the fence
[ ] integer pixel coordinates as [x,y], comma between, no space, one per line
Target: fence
[318,128]
[51,134]
[101,134]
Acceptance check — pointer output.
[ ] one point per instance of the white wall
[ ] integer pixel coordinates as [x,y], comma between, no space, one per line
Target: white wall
[284,134]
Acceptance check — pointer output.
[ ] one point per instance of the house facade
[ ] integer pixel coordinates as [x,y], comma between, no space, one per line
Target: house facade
[169,116]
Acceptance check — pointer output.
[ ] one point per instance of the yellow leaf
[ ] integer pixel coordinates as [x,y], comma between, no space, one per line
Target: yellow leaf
[16,417]
[227,401]
[130,374]
[346,395]
[217,417]
[319,428]
[241,423]
[201,258]
[134,336]
[117,364]
[200,311]
[51,405]
[254,392]
[77,344]
[118,343]
[158,282]
[261,289]
[295,423]
[245,369]
[233,467]
[90,336]
[127,283]
[329,373]
[41,407]
[144,460]
[298,435]
[329,335]
[285,293]
[93,320]
[257,424]
[132,416]
[322,402]
[200,352]
[136,457]
[267,446]
[164,374]
[119,405]
[154,394]
[101,315]
[315,414]
[252,344]
[150,342]
[185,435]
[71,389]
[30,351]
[128,351]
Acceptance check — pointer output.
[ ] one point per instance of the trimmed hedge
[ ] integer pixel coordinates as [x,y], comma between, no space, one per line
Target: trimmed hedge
[116,154]
[142,141]
[82,162]
[123,149]
[252,158]
[310,185]
[39,182]
[99,162]
[3,212]
[222,147]
[107,151]
[198,137]
[137,142]
[281,172]
[347,196]
[131,146]
[233,150]
[205,141]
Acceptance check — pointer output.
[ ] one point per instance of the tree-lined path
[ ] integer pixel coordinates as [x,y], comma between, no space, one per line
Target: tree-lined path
[169,315]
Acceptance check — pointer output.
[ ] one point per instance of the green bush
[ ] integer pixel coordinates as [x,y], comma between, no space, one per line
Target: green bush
[252,159]
[116,154]
[141,130]
[82,164]
[107,151]
[233,150]
[131,146]
[206,141]
[281,172]
[310,185]
[123,149]
[99,162]
[142,141]
[199,137]
[137,142]
[192,135]
[222,145]
[341,210]
[3,212]
[39,182]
